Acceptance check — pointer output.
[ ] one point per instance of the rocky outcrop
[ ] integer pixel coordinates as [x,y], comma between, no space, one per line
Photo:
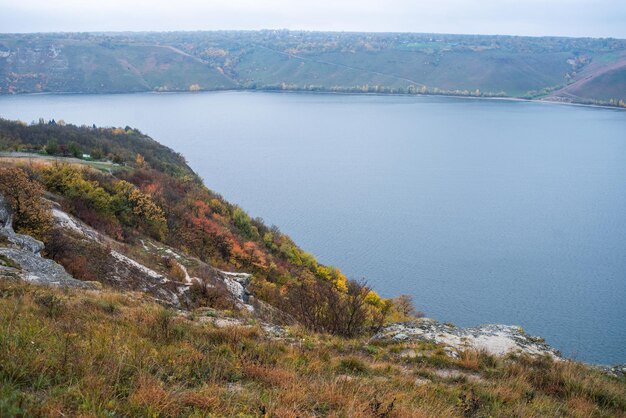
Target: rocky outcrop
[70,223]
[237,283]
[126,271]
[120,270]
[24,251]
[494,339]
[617,371]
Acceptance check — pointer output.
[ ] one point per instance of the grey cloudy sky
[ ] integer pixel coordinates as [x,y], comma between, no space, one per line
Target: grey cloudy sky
[597,18]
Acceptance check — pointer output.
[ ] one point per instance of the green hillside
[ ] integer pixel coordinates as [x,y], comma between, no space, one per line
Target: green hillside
[87,66]
[605,86]
[504,66]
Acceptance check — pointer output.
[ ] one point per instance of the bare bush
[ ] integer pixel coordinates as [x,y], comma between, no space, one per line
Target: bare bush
[319,306]
[405,306]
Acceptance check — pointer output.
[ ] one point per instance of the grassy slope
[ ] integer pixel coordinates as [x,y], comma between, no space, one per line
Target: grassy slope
[606,86]
[515,66]
[492,71]
[90,67]
[267,67]
[77,353]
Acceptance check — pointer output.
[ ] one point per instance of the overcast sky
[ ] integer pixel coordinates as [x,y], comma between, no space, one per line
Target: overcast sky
[597,18]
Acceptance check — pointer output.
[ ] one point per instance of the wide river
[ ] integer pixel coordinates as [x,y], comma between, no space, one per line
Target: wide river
[485,211]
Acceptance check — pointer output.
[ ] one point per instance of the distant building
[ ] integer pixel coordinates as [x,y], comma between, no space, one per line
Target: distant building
[86,156]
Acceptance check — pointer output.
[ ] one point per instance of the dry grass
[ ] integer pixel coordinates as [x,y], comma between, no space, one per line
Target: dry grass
[77,353]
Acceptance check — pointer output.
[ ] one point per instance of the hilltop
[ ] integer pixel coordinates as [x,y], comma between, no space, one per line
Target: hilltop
[581,70]
[128,288]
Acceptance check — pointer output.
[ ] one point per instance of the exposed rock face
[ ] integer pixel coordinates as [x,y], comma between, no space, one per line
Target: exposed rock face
[131,274]
[125,272]
[39,270]
[494,339]
[122,271]
[236,284]
[70,223]
[25,252]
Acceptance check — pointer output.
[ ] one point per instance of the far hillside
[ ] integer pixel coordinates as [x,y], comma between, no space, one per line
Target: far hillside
[582,70]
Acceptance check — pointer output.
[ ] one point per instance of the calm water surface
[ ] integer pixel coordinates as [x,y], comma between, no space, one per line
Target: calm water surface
[484,211]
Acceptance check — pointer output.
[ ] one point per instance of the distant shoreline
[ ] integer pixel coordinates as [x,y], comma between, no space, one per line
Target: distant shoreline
[324,92]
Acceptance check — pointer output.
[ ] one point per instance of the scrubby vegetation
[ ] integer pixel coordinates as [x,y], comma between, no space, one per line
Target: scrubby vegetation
[80,353]
[25,197]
